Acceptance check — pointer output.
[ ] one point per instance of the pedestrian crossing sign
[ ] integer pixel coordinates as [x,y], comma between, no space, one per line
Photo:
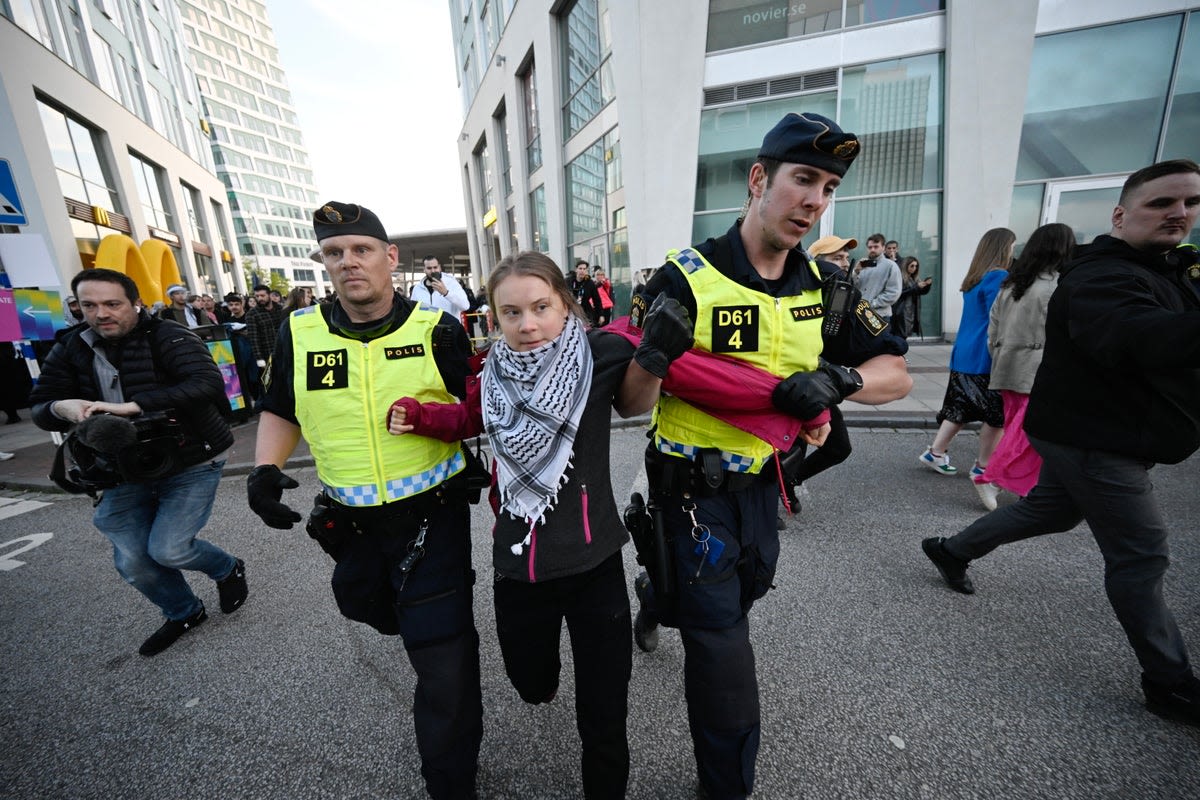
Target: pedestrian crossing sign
[11,212]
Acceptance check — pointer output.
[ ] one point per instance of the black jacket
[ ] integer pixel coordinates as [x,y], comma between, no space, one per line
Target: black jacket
[1121,370]
[185,378]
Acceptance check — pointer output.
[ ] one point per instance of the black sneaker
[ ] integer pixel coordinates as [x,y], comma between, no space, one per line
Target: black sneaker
[645,631]
[171,630]
[232,588]
[1180,702]
[954,570]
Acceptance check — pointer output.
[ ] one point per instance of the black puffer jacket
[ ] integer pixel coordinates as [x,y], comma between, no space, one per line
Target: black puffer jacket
[185,379]
[1121,370]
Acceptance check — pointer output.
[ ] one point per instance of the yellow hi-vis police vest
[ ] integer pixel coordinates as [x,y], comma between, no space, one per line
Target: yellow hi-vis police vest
[343,390]
[779,334]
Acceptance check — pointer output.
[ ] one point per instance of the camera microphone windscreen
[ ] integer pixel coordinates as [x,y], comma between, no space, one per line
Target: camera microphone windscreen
[107,433]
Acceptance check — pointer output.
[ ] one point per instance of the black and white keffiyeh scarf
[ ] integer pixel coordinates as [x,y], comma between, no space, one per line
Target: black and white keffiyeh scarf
[532,404]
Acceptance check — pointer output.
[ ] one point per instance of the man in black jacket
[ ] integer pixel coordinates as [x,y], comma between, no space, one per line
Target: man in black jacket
[125,363]
[1117,392]
[585,291]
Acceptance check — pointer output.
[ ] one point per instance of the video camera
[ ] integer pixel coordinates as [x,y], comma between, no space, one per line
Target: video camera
[107,450]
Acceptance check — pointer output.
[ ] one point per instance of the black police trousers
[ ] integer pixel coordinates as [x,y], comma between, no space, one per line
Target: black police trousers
[430,607]
[712,602]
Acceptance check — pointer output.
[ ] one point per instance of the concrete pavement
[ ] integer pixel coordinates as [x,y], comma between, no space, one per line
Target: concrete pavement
[928,365]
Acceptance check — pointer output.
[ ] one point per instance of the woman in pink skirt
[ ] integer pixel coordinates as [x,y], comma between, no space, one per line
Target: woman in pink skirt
[1016,336]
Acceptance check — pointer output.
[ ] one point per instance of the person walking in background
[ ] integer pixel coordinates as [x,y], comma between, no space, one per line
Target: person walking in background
[1016,338]
[1117,392]
[878,278]
[834,250]
[604,288]
[297,299]
[583,288]
[968,398]
[263,320]
[906,313]
[440,290]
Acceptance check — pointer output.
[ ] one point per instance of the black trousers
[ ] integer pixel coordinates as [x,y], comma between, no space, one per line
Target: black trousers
[720,679]
[1114,494]
[595,605]
[430,607]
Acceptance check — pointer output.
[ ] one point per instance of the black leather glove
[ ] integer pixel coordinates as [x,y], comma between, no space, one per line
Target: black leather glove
[806,394]
[666,335]
[265,486]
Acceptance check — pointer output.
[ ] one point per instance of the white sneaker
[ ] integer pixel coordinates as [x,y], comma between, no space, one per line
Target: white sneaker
[6,456]
[988,492]
[939,464]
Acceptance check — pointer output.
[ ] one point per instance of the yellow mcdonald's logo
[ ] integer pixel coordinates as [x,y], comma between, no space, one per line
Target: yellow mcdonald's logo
[100,216]
[151,266]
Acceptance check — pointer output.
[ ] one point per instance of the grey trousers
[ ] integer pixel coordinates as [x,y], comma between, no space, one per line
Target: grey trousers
[1114,494]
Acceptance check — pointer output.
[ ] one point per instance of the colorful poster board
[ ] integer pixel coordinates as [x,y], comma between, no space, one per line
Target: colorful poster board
[30,314]
[222,354]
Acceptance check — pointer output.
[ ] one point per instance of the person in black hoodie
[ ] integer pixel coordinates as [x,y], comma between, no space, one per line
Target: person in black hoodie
[1118,391]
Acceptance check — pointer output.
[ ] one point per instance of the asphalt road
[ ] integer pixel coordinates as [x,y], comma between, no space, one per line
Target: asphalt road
[876,680]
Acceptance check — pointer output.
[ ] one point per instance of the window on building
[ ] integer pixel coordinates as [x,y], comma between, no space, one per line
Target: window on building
[1183,124]
[533,139]
[537,213]
[502,151]
[592,182]
[149,180]
[483,173]
[895,108]
[195,220]
[1107,118]
[587,68]
[79,159]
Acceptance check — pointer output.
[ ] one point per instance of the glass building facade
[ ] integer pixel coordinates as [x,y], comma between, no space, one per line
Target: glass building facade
[881,69]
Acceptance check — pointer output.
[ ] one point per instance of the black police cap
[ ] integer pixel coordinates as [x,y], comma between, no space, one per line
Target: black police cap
[811,139]
[346,219]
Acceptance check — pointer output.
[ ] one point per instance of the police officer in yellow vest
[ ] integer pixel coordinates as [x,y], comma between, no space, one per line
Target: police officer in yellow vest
[755,296]
[393,515]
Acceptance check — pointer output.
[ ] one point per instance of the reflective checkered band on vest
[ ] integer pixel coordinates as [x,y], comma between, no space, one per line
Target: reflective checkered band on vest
[398,489]
[730,462]
[689,260]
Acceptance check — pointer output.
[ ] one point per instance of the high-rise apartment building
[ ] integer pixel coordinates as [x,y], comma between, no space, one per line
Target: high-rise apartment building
[615,130]
[256,140]
[103,132]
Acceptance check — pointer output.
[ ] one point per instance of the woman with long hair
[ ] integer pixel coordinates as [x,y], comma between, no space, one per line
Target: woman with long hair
[545,397]
[968,397]
[1016,337]
[297,298]
[906,312]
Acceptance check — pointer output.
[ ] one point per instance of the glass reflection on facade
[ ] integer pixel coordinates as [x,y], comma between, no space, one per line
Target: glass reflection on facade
[587,73]
[895,108]
[1183,123]
[1106,117]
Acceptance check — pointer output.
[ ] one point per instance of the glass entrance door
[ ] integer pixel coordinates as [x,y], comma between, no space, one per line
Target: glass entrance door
[1086,205]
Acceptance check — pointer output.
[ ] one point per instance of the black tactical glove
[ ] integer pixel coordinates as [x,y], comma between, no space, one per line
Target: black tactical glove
[666,335]
[804,395]
[265,486]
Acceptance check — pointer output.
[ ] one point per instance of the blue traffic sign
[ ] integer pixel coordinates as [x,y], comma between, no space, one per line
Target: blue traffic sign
[11,212]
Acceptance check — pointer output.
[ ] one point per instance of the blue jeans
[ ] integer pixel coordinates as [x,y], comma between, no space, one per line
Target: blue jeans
[153,527]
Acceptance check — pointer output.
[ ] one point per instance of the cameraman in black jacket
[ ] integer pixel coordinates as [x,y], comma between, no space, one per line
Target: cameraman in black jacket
[125,363]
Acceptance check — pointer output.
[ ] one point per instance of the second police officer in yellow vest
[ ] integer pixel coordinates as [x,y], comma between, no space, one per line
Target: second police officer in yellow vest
[755,296]
[393,509]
